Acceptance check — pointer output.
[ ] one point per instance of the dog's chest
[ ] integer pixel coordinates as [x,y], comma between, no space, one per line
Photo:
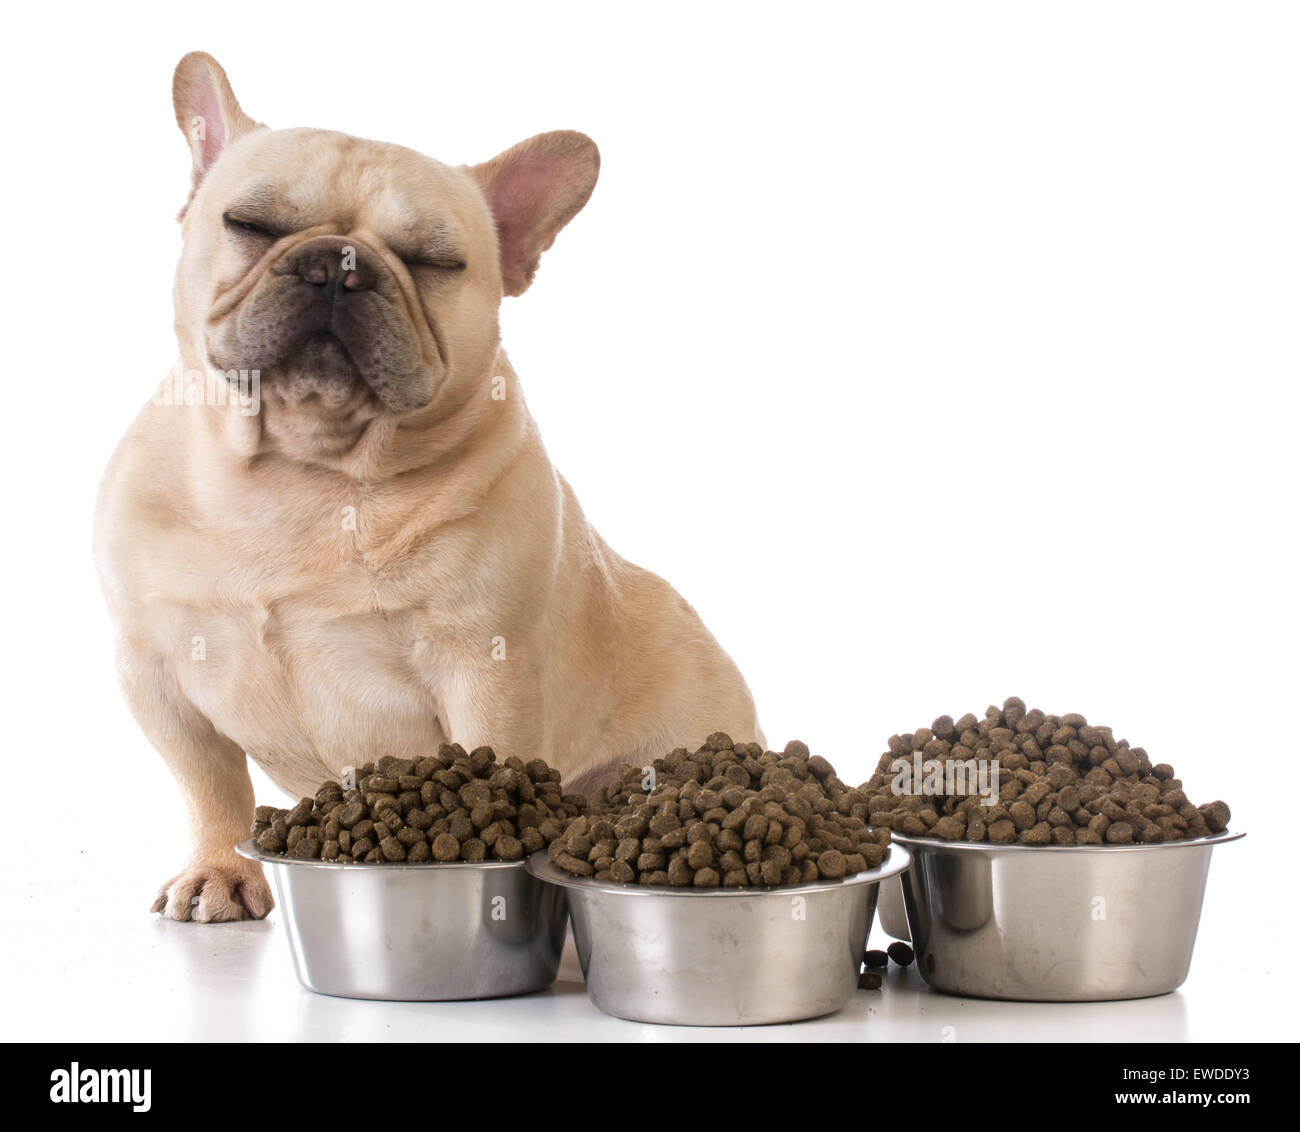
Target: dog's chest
[308,679]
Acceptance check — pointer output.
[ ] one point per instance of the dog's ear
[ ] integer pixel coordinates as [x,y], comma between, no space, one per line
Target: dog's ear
[534,189]
[207,111]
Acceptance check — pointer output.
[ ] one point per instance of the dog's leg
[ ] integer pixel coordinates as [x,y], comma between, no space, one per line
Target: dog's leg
[212,772]
[591,782]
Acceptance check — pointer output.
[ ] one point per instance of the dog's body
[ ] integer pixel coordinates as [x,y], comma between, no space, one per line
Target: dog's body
[382,558]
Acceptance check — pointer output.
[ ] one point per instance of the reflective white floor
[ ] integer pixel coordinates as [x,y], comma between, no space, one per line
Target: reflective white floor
[85,961]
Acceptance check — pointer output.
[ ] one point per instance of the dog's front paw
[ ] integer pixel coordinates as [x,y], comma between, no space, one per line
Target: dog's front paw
[213,894]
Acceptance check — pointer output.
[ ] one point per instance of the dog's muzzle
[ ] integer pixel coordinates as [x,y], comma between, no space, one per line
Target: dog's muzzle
[328,313]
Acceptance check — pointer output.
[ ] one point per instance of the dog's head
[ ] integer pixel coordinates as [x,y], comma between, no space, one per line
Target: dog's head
[357,277]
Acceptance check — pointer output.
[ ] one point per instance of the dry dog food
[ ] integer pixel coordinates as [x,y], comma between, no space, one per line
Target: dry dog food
[730,815]
[452,806]
[1020,776]
[900,952]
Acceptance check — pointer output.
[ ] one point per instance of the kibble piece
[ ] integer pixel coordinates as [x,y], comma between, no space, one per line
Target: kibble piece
[901,953]
[877,958]
[820,768]
[1216,815]
[509,848]
[306,849]
[873,853]
[1002,832]
[571,864]
[679,872]
[418,819]
[831,863]
[949,828]
[270,842]
[1039,834]
[700,855]
[446,847]
[869,980]
[1022,814]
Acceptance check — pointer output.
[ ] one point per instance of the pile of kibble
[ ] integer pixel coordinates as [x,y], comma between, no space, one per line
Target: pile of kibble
[453,806]
[1061,781]
[730,815]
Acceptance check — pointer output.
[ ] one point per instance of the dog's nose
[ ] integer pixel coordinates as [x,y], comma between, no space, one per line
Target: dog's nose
[339,268]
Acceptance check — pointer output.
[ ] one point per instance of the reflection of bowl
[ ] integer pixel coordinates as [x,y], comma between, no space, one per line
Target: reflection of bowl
[721,956]
[1055,923]
[423,932]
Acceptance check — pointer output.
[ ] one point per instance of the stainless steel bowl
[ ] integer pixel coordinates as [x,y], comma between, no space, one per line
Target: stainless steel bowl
[720,956]
[425,932]
[1056,923]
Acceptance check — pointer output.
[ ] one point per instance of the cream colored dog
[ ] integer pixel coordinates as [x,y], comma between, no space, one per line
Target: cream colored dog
[359,547]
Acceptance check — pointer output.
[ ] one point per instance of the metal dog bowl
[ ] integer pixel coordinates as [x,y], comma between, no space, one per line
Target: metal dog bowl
[1056,923]
[425,932]
[721,956]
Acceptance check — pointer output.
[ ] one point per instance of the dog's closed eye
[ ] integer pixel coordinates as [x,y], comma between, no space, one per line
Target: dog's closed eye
[249,227]
[438,264]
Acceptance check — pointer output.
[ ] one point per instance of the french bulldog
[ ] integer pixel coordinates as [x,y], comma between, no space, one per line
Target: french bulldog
[334,533]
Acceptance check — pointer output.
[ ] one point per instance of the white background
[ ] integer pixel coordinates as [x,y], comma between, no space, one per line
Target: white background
[936,352]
